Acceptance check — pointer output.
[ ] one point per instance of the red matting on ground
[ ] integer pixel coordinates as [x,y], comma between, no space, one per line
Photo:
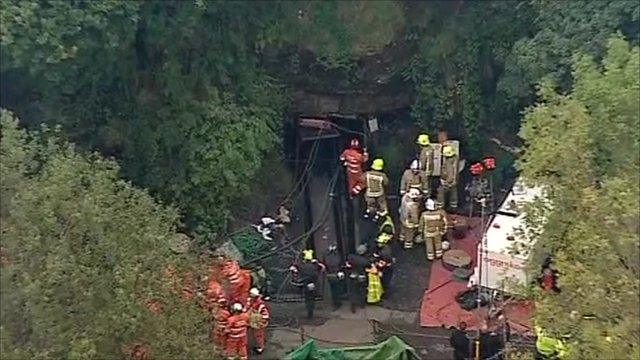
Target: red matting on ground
[439,306]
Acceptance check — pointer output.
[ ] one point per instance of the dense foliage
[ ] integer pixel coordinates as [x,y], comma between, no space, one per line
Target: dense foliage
[477,62]
[135,79]
[585,148]
[84,254]
[458,63]
[163,86]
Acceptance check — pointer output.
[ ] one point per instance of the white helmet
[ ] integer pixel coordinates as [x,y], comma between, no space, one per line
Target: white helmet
[414,193]
[445,245]
[415,165]
[361,249]
[254,292]
[237,307]
[267,220]
[430,204]
[311,286]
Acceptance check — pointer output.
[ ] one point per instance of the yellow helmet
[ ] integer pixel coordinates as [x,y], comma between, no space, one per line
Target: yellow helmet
[383,238]
[378,164]
[448,151]
[307,255]
[423,139]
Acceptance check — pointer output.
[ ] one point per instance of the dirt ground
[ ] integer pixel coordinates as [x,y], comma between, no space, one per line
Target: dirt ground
[398,315]
[341,328]
[410,279]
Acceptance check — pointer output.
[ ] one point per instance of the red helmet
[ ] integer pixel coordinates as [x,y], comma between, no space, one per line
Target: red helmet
[355,143]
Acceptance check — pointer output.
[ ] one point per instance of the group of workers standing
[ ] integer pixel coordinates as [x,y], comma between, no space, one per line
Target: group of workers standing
[237,310]
[434,171]
[366,274]
[363,275]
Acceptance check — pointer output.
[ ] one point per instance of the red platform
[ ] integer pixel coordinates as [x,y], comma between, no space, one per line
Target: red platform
[439,307]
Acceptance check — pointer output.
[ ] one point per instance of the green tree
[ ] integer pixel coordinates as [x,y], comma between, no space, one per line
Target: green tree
[84,254]
[459,60]
[558,30]
[585,148]
[156,84]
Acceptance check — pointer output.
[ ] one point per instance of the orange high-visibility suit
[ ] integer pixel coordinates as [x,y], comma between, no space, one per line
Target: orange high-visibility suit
[258,306]
[240,284]
[237,335]
[221,321]
[353,158]
[239,281]
[213,294]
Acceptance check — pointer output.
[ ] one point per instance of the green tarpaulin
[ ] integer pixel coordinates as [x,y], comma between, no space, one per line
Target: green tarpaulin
[391,349]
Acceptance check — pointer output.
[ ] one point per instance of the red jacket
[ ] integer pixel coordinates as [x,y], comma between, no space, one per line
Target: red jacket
[353,160]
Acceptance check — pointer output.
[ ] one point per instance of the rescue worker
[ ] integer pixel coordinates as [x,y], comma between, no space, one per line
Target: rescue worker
[258,318]
[433,224]
[427,161]
[548,347]
[239,280]
[221,322]
[356,265]
[414,178]
[236,345]
[448,178]
[384,260]
[335,275]
[460,342]
[213,294]
[306,277]
[410,217]
[353,158]
[426,158]
[376,182]
[374,285]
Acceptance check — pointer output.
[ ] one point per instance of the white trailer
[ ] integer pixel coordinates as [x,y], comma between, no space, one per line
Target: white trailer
[506,243]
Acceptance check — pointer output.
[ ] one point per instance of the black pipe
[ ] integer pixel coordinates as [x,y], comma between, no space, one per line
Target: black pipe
[308,223]
[300,145]
[337,207]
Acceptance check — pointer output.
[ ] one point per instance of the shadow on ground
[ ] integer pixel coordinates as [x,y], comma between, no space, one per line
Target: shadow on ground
[410,279]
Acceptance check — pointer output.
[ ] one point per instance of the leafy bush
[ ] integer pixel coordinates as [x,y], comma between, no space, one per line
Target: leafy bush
[585,148]
[84,253]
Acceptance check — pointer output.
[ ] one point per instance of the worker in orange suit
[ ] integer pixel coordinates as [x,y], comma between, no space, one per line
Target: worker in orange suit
[236,345]
[239,281]
[213,293]
[221,321]
[258,318]
[353,158]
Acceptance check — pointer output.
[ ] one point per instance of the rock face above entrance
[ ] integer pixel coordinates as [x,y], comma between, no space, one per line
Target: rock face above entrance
[310,103]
